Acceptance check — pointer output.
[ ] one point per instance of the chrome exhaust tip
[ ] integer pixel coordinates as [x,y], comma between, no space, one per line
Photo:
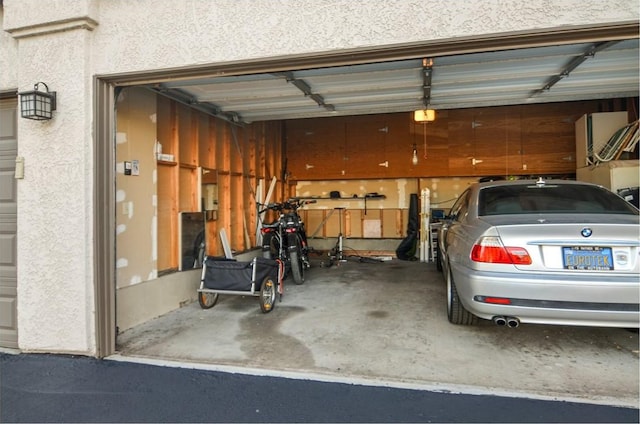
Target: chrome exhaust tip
[499,321]
[513,322]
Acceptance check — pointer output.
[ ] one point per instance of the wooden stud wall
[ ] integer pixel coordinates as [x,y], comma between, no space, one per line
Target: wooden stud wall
[234,158]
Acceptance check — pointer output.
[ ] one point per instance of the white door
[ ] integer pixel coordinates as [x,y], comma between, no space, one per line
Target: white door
[8,224]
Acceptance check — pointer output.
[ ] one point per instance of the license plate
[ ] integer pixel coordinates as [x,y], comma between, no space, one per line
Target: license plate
[588,258]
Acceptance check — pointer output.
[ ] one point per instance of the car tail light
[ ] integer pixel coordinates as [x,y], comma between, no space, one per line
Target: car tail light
[490,249]
[494,300]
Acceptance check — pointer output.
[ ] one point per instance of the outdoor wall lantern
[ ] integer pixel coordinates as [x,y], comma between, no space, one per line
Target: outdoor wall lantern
[36,104]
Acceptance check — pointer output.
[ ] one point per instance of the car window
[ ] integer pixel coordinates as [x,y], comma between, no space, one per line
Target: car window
[459,208]
[550,198]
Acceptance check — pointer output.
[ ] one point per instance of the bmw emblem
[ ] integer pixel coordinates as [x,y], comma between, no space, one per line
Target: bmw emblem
[586,232]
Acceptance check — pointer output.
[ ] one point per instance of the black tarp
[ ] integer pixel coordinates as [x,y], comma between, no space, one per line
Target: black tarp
[406,251]
[236,275]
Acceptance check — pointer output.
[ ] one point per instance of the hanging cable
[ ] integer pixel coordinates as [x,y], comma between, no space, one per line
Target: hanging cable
[424,128]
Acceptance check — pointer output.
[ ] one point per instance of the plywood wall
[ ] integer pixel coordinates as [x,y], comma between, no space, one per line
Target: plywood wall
[505,141]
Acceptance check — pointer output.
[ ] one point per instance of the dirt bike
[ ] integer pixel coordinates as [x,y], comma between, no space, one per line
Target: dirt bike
[285,238]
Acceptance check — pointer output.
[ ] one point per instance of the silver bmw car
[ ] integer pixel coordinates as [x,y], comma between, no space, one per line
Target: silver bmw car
[544,252]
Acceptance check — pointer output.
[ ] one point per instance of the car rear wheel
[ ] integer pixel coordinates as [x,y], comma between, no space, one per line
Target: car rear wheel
[456,312]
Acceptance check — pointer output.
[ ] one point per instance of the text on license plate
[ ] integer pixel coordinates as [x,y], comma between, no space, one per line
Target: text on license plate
[592,258]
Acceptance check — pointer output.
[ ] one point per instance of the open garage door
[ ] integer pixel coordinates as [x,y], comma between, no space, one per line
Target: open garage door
[386,80]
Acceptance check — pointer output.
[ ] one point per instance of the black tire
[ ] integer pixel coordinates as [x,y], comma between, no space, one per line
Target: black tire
[267,246]
[456,312]
[297,267]
[268,292]
[438,259]
[296,260]
[207,300]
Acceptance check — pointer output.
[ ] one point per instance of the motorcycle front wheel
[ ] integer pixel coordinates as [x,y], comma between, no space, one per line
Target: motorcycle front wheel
[296,261]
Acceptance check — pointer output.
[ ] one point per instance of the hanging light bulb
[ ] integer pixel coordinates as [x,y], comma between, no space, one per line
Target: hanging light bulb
[414,157]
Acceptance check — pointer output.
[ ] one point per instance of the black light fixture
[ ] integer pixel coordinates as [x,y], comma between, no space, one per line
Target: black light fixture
[36,104]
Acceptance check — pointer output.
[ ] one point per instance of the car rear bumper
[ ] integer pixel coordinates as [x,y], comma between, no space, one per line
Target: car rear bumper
[551,299]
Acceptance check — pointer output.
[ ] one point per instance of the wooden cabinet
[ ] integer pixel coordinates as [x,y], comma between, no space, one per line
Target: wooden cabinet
[536,139]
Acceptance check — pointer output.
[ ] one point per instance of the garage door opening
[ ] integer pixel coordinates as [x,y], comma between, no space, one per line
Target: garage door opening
[362,129]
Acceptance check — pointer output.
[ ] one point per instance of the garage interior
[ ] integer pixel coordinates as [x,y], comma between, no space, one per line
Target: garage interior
[197,152]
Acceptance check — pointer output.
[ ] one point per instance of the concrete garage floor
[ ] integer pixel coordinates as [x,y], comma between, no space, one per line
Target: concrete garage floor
[385,323]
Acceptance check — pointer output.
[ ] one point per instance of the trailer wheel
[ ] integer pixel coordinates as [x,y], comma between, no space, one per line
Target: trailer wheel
[207,300]
[267,295]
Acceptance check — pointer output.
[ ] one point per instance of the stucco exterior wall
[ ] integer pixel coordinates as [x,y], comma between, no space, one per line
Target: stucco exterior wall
[65,43]
[175,34]
[8,58]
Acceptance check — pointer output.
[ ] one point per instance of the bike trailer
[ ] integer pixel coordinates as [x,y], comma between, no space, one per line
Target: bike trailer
[259,277]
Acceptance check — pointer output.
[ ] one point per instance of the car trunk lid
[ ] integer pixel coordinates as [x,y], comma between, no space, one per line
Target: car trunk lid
[561,244]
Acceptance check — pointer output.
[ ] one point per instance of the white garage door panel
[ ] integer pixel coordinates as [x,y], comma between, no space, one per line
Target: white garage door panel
[8,225]
[8,248]
[7,188]
[7,313]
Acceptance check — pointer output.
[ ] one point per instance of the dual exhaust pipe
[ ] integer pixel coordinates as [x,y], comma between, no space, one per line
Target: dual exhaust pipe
[502,321]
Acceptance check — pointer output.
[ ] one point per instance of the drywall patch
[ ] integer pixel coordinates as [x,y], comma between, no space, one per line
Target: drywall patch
[372,228]
[122,263]
[154,237]
[121,137]
[121,229]
[120,195]
[402,193]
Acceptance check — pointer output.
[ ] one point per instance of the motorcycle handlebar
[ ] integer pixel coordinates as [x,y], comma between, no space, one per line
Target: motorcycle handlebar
[289,204]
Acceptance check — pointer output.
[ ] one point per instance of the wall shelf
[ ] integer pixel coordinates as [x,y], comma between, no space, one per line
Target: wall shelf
[370,197]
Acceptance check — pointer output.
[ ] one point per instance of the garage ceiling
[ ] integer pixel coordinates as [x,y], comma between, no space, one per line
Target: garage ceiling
[559,73]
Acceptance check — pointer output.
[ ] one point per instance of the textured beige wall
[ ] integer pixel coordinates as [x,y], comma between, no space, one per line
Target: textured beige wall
[180,33]
[143,35]
[8,58]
